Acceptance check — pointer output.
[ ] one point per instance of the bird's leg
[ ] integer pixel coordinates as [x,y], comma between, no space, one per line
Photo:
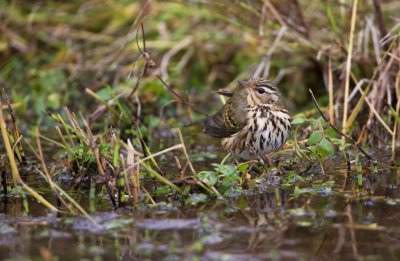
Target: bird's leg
[253,151]
[268,160]
[257,157]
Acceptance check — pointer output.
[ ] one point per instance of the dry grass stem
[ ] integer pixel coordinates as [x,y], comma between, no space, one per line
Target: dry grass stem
[348,65]
[330,93]
[14,169]
[185,152]
[151,156]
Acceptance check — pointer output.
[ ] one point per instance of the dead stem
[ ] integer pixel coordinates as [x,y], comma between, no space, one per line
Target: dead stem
[134,172]
[20,151]
[330,92]
[14,169]
[185,152]
[151,156]
[360,102]
[337,130]
[39,155]
[149,196]
[126,179]
[396,120]
[348,65]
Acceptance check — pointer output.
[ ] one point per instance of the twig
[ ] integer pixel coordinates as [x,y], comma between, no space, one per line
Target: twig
[148,62]
[179,98]
[337,130]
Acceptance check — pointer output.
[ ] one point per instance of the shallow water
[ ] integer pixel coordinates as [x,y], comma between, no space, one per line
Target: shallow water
[338,221]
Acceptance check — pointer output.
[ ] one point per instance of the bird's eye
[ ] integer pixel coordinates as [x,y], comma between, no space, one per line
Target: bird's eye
[261,90]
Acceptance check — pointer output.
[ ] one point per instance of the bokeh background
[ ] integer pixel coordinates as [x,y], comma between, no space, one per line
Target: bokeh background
[53,52]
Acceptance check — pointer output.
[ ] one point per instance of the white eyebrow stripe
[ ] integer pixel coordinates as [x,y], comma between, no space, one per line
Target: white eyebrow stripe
[268,90]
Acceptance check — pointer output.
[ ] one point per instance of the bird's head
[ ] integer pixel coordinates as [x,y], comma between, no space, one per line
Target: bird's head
[261,92]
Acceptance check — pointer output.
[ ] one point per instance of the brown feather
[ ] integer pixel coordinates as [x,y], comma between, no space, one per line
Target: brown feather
[230,119]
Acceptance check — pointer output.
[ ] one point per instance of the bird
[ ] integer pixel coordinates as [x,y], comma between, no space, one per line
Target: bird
[253,122]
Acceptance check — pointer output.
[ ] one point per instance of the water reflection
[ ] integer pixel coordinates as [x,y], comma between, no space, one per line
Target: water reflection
[344,221]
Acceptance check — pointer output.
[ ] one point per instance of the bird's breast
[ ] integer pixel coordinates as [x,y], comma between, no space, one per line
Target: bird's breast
[269,129]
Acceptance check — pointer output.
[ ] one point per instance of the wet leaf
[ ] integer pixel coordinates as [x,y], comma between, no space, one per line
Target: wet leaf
[315,137]
[196,198]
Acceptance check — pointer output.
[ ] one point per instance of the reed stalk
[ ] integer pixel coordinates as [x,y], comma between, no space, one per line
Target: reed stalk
[348,66]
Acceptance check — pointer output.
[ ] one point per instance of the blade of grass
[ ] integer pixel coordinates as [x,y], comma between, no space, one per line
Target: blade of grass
[160,178]
[14,169]
[70,199]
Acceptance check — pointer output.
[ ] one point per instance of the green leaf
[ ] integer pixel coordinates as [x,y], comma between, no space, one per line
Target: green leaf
[322,122]
[313,149]
[210,176]
[314,124]
[298,121]
[242,167]
[330,133]
[325,147]
[162,190]
[336,141]
[315,137]
[344,146]
[225,169]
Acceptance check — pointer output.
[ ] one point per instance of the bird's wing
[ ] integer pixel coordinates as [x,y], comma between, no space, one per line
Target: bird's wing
[225,122]
[215,126]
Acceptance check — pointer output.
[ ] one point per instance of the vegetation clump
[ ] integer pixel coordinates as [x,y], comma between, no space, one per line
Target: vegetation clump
[115,99]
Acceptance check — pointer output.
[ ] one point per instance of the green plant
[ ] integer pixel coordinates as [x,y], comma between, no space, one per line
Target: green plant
[224,178]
